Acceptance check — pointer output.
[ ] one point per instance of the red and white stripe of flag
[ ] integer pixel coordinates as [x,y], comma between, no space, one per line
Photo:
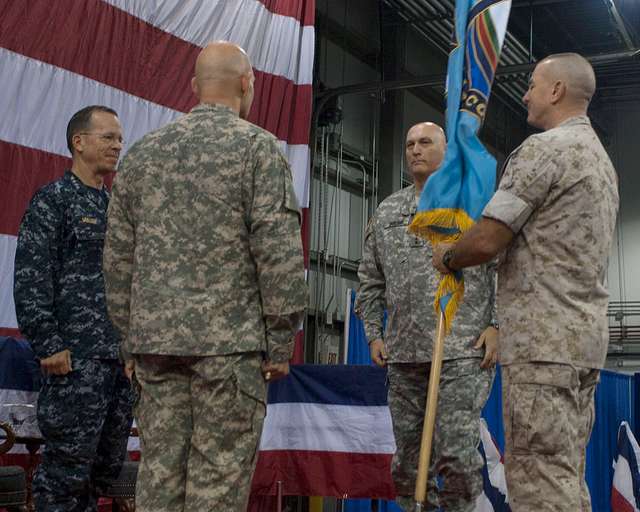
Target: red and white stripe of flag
[137,57]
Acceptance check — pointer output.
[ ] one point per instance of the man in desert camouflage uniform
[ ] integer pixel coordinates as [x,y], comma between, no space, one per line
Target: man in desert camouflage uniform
[205,277]
[84,406]
[554,214]
[396,274]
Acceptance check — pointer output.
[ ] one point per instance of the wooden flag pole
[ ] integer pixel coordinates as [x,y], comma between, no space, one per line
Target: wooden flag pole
[430,415]
[279,496]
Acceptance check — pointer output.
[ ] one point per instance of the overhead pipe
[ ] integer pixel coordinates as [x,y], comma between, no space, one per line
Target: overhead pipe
[619,23]
[439,79]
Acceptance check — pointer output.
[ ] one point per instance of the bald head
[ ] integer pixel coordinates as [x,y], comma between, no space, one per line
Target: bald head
[560,87]
[221,60]
[433,129]
[576,72]
[424,150]
[223,75]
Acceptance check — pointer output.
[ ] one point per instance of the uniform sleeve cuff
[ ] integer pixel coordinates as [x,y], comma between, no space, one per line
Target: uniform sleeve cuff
[508,209]
[48,347]
[281,353]
[125,355]
[373,333]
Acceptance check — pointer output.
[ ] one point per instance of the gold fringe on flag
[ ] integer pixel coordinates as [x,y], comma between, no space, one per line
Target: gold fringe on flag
[457,221]
[449,285]
[447,218]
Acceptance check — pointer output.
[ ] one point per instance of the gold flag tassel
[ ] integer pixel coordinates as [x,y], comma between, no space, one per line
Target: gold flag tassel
[446,218]
[449,285]
[457,221]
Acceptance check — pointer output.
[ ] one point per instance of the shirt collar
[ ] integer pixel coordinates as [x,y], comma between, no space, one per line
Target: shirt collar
[79,186]
[213,107]
[76,182]
[575,120]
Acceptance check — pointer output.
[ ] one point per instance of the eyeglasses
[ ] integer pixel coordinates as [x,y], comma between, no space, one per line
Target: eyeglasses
[108,138]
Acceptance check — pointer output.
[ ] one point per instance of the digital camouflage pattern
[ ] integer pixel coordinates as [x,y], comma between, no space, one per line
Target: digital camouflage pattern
[396,274]
[58,283]
[548,414]
[204,271]
[203,253]
[464,389]
[209,411]
[85,418]
[559,196]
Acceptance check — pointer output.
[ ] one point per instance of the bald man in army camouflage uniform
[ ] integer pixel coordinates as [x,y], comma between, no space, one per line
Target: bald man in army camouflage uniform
[396,275]
[554,217]
[205,277]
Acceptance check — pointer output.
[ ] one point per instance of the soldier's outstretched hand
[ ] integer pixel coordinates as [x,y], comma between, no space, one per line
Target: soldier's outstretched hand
[378,352]
[57,364]
[488,338]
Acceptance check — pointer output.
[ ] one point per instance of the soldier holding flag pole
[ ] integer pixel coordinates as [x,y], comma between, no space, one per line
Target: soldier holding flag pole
[552,219]
[396,275]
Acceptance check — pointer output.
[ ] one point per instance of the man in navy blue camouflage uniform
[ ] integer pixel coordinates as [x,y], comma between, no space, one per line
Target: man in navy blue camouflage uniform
[84,407]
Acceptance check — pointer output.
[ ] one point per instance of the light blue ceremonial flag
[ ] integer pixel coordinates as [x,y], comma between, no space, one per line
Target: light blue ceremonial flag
[455,195]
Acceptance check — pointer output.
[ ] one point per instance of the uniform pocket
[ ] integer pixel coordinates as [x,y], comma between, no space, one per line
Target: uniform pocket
[538,404]
[54,412]
[90,242]
[395,254]
[462,367]
[395,234]
[248,408]
[248,376]
[290,201]
[467,383]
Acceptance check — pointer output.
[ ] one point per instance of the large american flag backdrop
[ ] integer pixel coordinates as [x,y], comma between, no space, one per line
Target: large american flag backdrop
[136,56]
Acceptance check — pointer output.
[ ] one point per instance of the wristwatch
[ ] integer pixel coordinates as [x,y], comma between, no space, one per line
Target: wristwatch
[446,258]
[495,325]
